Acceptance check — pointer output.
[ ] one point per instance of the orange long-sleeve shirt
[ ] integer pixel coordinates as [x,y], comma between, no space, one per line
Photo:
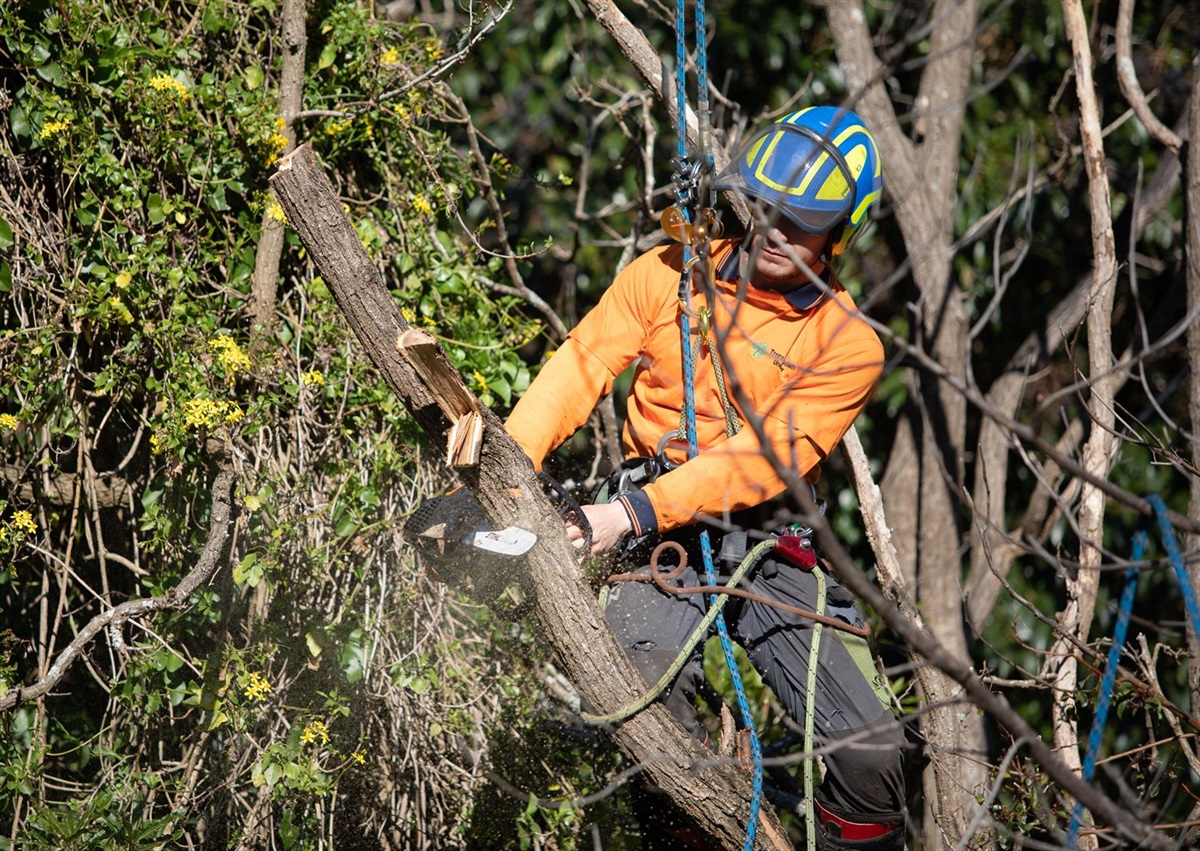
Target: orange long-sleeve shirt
[807,373]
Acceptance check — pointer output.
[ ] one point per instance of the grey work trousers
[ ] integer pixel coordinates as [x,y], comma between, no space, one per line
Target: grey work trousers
[852,721]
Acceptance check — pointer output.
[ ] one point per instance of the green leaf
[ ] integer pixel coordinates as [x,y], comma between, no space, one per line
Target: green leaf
[314,646]
[253,76]
[216,198]
[271,774]
[248,572]
[6,235]
[346,525]
[154,209]
[18,120]
[419,685]
[51,73]
[328,54]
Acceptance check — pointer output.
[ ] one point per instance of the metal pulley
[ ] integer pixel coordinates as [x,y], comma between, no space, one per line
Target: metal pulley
[675,222]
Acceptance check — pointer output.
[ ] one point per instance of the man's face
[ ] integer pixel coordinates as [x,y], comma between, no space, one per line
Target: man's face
[773,247]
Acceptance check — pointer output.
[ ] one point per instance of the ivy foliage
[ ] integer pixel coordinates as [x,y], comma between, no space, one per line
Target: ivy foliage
[136,141]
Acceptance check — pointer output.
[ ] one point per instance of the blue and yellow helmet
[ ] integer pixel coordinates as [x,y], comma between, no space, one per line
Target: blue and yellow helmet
[818,166]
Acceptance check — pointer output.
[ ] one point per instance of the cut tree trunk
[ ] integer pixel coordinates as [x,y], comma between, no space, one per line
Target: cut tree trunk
[712,792]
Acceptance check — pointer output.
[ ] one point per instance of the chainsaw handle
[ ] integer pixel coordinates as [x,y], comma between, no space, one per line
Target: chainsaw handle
[568,509]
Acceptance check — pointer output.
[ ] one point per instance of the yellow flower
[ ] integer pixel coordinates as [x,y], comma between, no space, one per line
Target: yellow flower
[390,56]
[163,83]
[207,413]
[480,381]
[8,422]
[276,143]
[433,49]
[335,127]
[313,376]
[199,412]
[158,444]
[359,756]
[314,732]
[409,315]
[257,686]
[118,307]
[275,211]
[53,128]
[252,501]
[23,520]
[229,354]
[422,205]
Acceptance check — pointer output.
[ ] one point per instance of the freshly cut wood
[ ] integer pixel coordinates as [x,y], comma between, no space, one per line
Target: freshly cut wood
[460,408]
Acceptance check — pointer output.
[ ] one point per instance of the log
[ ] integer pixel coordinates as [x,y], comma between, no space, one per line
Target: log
[714,793]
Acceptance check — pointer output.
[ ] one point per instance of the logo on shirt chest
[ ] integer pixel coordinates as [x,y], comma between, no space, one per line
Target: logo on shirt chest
[758,351]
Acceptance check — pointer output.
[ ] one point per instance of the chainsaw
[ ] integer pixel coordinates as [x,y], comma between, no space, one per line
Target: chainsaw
[457,544]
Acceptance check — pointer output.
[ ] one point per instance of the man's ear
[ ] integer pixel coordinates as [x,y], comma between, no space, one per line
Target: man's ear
[831,239]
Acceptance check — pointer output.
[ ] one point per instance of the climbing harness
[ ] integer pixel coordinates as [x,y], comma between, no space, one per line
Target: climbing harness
[1108,681]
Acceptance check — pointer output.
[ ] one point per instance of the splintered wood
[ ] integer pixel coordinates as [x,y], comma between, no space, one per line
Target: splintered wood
[460,408]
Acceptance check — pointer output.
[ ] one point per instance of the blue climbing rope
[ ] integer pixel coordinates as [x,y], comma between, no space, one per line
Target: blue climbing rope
[1108,681]
[689,393]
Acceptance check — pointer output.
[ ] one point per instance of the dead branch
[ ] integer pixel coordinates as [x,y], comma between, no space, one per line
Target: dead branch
[1098,452]
[110,491]
[1192,251]
[1132,89]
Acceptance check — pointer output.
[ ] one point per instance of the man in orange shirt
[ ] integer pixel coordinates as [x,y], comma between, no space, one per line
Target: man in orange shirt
[789,336]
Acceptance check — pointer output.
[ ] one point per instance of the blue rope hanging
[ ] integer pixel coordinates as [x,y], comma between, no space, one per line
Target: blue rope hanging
[1108,681]
[689,398]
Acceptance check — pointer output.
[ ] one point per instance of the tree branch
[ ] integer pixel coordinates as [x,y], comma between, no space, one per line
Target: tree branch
[111,491]
[1132,89]
[219,529]
[265,282]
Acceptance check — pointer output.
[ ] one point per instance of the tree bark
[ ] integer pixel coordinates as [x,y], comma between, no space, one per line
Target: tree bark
[712,793]
[923,482]
[1192,221]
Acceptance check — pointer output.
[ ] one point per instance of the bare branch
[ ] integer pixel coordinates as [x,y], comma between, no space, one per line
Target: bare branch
[261,305]
[1131,88]
[219,530]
